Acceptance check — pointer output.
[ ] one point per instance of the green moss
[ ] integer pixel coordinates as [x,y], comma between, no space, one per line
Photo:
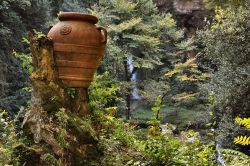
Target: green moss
[82,127]
[61,138]
[23,154]
[49,160]
[74,129]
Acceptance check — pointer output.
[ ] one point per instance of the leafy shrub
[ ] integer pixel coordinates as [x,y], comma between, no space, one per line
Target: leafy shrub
[117,142]
[12,142]
[103,93]
[165,149]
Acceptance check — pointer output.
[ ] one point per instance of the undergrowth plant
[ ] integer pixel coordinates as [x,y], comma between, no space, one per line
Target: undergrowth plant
[163,148]
[121,146]
[25,58]
[234,157]
[10,140]
[104,93]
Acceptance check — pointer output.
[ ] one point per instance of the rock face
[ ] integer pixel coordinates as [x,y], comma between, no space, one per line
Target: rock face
[17,18]
[187,6]
[10,71]
[12,79]
[190,14]
[164,5]
[12,76]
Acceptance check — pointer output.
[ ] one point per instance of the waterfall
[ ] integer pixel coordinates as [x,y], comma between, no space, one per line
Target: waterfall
[134,87]
[220,160]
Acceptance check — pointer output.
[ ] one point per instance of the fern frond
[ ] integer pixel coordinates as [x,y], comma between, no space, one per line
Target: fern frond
[234,153]
[242,140]
[245,122]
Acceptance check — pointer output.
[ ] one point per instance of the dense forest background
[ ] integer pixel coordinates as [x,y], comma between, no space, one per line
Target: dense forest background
[173,87]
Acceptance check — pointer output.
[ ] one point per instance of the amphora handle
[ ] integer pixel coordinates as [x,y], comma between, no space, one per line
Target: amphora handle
[104,34]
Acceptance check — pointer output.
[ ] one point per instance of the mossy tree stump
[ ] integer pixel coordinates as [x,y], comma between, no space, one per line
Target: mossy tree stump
[57,115]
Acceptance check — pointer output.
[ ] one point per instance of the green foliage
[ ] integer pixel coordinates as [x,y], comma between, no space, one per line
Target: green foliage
[117,142]
[25,59]
[49,160]
[154,129]
[187,71]
[21,15]
[11,140]
[134,26]
[179,116]
[158,104]
[233,157]
[164,149]
[136,32]
[120,146]
[73,128]
[62,134]
[70,6]
[225,3]
[103,92]
[187,78]
[153,89]
[228,32]
[224,45]
[6,145]
[82,126]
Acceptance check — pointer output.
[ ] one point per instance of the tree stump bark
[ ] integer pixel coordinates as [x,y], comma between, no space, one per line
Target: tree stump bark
[56,118]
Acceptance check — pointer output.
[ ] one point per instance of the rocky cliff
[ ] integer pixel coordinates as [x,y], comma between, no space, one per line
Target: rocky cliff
[190,14]
[12,79]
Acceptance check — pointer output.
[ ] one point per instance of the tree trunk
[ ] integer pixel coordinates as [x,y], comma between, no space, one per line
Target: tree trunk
[128,95]
[128,104]
[57,114]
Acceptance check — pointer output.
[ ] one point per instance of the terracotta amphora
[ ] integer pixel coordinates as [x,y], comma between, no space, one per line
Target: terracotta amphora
[78,47]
